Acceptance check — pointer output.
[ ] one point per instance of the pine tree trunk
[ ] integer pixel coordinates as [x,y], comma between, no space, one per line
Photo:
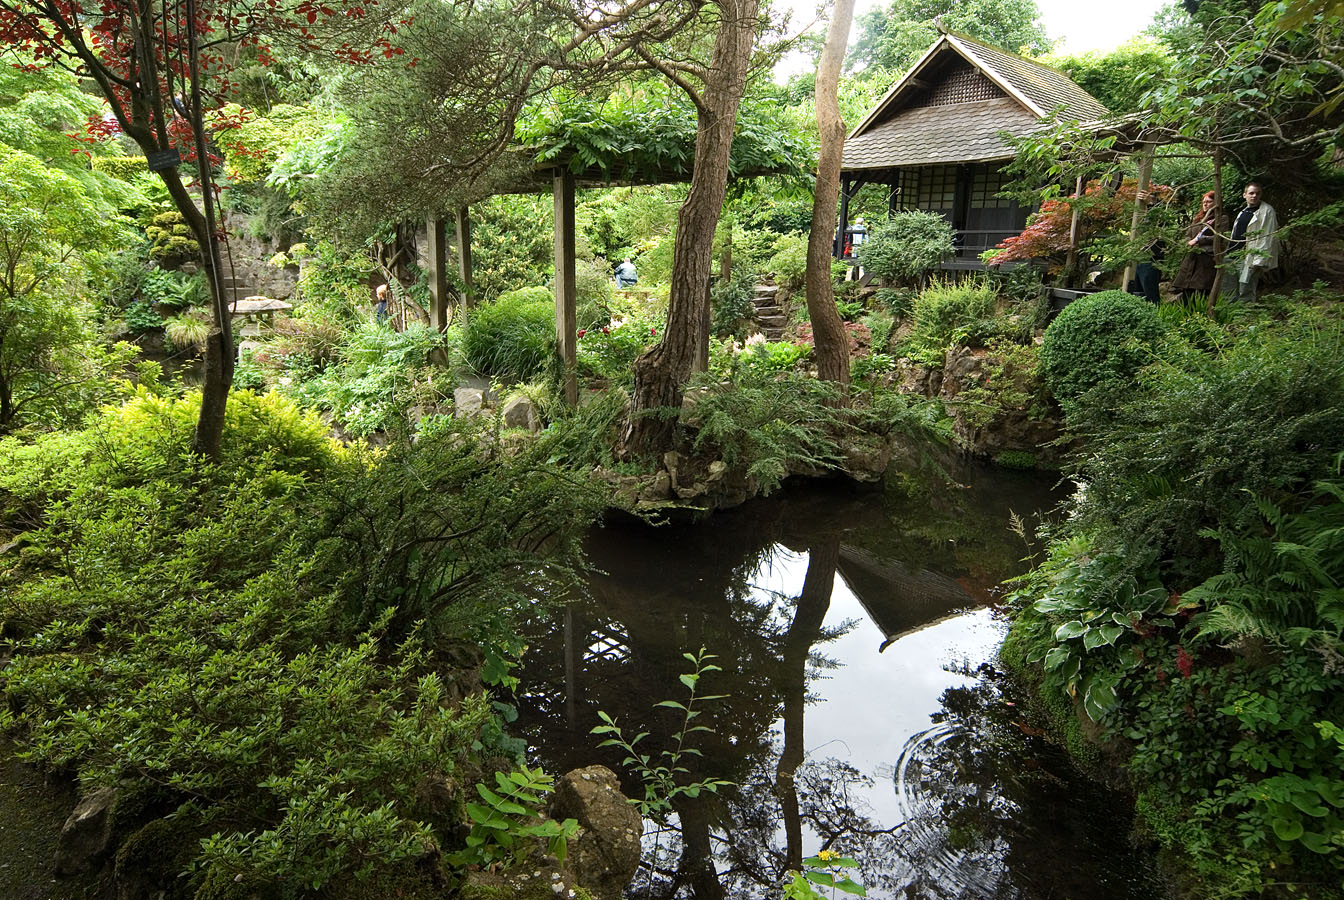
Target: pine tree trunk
[831,344]
[662,371]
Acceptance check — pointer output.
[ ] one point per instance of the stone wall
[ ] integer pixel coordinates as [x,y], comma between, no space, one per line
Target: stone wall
[251,263]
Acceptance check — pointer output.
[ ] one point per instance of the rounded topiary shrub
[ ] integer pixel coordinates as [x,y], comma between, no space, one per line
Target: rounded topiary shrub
[514,337]
[1102,338]
[907,247]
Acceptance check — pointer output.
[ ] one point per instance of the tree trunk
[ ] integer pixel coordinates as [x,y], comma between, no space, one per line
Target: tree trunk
[831,344]
[219,361]
[823,558]
[662,371]
[1219,246]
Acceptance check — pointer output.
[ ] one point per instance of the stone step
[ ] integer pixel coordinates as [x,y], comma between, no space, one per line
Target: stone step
[766,289]
[773,321]
[769,310]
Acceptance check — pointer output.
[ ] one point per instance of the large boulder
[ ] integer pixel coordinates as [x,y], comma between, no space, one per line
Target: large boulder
[520,412]
[85,837]
[604,855]
[468,401]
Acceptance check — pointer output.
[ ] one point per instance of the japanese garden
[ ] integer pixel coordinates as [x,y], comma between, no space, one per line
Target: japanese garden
[670,449]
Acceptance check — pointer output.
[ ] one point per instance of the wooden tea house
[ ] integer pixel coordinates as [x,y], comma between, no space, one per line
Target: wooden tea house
[933,142]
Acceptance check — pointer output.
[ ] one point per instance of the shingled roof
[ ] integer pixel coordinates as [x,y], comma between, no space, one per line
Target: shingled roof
[952,104]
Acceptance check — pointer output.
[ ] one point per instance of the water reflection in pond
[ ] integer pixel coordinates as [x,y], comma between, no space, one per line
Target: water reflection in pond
[855,633]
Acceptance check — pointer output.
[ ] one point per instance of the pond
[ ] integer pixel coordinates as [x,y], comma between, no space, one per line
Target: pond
[856,632]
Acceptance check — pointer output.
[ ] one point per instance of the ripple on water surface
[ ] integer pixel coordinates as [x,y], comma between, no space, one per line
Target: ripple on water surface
[855,638]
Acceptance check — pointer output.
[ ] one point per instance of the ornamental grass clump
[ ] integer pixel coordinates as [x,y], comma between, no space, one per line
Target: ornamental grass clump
[514,337]
[1102,339]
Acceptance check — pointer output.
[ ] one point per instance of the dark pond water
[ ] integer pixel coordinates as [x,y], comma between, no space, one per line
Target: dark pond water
[856,632]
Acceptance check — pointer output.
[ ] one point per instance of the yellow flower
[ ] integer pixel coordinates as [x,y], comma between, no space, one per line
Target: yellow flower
[827,854]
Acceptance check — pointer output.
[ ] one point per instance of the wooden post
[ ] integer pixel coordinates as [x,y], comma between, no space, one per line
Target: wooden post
[566,295]
[844,220]
[462,220]
[440,313]
[1145,176]
[1071,264]
[1218,246]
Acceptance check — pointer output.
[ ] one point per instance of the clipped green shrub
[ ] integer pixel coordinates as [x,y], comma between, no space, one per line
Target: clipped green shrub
[125,168]
[170,240]
[907,246]
[1102,338]
[514,337]
[941,310]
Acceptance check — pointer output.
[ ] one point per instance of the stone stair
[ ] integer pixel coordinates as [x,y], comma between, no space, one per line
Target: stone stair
[768,314]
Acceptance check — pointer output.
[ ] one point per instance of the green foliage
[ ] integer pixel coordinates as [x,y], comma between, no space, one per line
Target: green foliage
[789,262]
[172,290]
[610,352]
[826,869]
[770,423]
[648,133]
[51,232]
[253,143]
[766,357]
[511,243]
[667,777]
[125,168]
[896,36]
[1118,78]
[261,636]
[941,310]
[1099,340]
[1205,432]
[170,240]
[185,332]
[907,246]
[1009,384]
[731,306]
[509,818]
[377,374]
[141,317]
[514,337]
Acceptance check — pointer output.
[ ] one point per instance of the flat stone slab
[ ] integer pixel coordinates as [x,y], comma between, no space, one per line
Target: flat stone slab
[251,306]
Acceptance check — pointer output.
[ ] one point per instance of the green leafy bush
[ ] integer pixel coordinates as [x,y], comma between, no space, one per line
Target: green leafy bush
[610,353]
[514,337]
[770,423]
[170,240]
[907,246]
[941,310]
[267,640]
[789,262]
[377,374]
[125,168]
[1099,339]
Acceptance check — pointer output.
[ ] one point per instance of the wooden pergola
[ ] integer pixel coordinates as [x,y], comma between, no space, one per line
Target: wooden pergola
[557,176]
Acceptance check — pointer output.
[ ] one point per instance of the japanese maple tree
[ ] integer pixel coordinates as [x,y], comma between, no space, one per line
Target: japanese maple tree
[159,65]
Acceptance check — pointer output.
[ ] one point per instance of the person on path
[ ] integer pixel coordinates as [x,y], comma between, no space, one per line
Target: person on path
[625,274]
[380,303]
[1195,276]
[1255,238]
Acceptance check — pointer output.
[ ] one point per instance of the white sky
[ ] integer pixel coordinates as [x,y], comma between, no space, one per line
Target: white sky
[1076,25]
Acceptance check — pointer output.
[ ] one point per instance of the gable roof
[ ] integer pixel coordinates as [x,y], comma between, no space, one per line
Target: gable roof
[921,120]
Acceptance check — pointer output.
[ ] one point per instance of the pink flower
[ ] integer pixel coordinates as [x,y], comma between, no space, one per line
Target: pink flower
[606,330]
[653,331]
[582,332]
